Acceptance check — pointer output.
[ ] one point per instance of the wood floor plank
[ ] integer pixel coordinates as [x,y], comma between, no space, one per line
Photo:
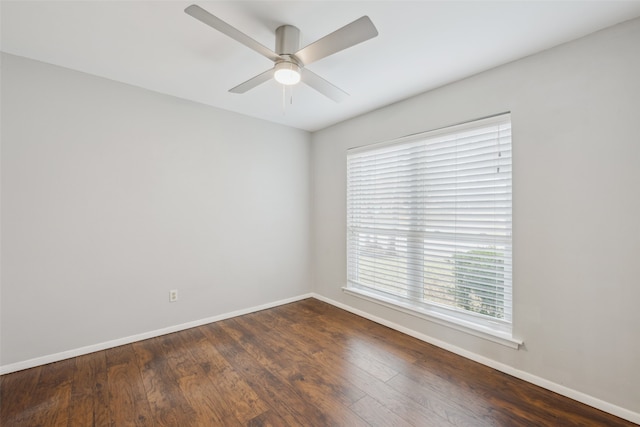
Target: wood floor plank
[267,419]
[89,393]
[128,404]
[16,404]
[196,386]
[168,404]
[358,334]
[422,413]
[52,396]
[353,374]
[232,398]
[376,414]
[301,364]
[277,393]
[456,406]
[351,349]
[298,372]
[496,394]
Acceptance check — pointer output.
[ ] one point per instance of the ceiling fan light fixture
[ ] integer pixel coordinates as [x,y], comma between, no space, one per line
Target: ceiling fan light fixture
[287,73]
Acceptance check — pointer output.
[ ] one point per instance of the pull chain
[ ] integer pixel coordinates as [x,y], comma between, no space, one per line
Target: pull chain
[284,98]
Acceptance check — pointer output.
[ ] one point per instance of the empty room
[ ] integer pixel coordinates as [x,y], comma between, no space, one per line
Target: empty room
[320,213]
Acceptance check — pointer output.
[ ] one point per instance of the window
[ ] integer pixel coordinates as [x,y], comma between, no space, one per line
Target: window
[429,225]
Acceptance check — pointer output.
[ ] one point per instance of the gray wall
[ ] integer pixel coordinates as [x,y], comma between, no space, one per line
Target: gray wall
[113,195]
[576,206]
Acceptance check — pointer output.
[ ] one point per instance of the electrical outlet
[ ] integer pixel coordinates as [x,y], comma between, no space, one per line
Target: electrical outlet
[173,295]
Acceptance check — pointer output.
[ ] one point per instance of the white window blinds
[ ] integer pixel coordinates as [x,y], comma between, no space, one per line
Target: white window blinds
[429,222]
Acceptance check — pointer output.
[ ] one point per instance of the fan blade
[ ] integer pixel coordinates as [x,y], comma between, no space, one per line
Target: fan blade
[202,15]
[360,30]
[253,82]
[324,87]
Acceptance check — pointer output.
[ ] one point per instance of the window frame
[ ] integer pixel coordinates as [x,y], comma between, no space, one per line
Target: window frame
[493,329]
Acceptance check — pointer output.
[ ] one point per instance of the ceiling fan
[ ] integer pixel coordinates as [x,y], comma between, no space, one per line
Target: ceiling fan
[289,60]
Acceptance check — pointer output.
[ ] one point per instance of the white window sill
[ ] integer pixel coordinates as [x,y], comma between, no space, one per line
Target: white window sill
[439,318]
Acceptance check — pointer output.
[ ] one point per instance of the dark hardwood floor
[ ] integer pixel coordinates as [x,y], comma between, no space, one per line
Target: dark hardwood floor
[301,364]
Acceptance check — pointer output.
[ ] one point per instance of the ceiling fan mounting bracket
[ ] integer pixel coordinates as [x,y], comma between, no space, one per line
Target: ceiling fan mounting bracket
[287,40]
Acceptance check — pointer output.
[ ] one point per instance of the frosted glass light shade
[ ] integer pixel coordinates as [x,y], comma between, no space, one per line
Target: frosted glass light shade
[287,73]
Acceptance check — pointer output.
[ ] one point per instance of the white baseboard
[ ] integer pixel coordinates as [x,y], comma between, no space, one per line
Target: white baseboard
[38,361]
[533,379]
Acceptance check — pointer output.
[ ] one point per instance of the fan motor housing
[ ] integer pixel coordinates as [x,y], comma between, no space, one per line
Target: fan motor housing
[287,40]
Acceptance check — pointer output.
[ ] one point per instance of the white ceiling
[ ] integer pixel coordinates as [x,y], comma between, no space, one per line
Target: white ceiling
[421,45]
